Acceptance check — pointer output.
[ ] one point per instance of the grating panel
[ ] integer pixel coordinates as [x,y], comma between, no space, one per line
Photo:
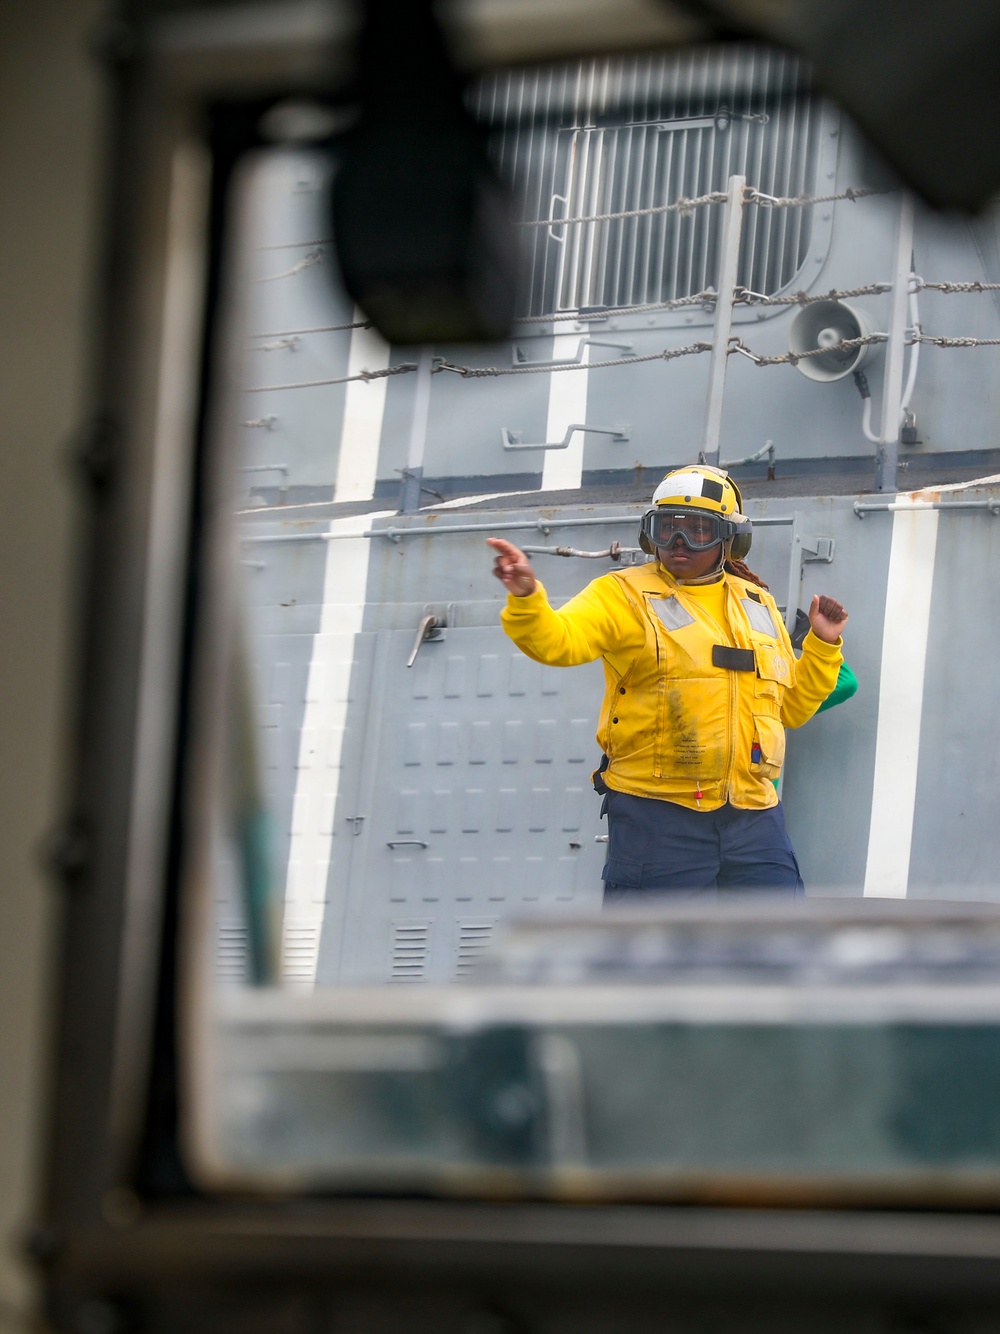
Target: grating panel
[298,953]
[410,950]
[617,135]
[231,953]
[474,936]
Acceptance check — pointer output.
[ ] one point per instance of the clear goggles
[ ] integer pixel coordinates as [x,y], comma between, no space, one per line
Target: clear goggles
[697,529]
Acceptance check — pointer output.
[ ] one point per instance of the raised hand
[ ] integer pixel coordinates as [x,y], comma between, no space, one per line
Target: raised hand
[827,618]
[512,567]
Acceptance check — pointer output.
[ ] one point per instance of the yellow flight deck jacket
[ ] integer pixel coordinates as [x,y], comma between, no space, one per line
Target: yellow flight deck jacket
[689,706]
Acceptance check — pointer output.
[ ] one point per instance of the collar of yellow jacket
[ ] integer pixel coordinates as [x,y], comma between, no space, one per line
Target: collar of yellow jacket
[720,582]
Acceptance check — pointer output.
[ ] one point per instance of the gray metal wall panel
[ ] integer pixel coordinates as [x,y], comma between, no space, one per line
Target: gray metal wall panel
[955,845]
[827,786]
[282,596]
[484,758]
[282,621]
[289,190]
[350,812]
[663,404]
[465,417]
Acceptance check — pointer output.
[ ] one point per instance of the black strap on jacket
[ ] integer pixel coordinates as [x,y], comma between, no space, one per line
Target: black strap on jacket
[733,659]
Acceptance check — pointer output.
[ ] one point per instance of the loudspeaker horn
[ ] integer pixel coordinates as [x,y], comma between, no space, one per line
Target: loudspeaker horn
[824,324]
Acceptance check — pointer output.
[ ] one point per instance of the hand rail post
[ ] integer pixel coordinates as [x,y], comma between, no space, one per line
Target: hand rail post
[887,451]
[732,228]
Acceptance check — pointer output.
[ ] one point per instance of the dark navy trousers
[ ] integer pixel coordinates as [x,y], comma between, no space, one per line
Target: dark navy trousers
[660,848]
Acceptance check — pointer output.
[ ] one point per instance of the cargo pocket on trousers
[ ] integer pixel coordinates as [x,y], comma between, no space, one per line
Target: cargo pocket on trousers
[622,873]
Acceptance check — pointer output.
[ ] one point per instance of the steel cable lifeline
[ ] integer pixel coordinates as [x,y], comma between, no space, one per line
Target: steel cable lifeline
[707,297]
[316,328]
[975,286]
[684,206]
[940,341]
[490,372]
[744,296]
[753,196]
[314,257]
[736,347]
[403,368]
[741,296]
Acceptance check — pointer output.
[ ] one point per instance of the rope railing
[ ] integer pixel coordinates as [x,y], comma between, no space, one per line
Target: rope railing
[938,340]
[737,347]
[403,368]
[744,296]
[686,207]
[315,329]
[490,372]
[314,257]
[852,193]
[921,286]
[707,298]
[683,206]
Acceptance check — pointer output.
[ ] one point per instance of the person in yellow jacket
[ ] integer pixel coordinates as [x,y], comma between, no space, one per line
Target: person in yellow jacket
[700,683]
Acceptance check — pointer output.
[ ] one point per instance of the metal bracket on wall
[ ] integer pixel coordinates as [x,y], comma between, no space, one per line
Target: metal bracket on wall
[805,549]
[817,549]
[515,439]
[519,357]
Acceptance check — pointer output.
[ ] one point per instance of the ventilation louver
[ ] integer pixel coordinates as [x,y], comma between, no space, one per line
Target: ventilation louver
[614,135]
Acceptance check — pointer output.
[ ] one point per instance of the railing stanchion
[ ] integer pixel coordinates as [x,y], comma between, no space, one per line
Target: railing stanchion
[887,452]
[732,227]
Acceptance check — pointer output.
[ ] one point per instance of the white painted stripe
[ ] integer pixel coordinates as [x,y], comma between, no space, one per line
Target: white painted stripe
[364,408]
[563,468]
[321,745]
[473,498]
[900,704]
[962,486]
[459,501]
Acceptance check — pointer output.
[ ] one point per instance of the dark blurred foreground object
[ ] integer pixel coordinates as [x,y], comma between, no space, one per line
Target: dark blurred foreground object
[423,225]
[918,76]
[845,1054]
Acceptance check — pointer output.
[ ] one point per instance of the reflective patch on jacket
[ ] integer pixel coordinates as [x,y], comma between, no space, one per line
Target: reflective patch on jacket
[759,617]
[671,613]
